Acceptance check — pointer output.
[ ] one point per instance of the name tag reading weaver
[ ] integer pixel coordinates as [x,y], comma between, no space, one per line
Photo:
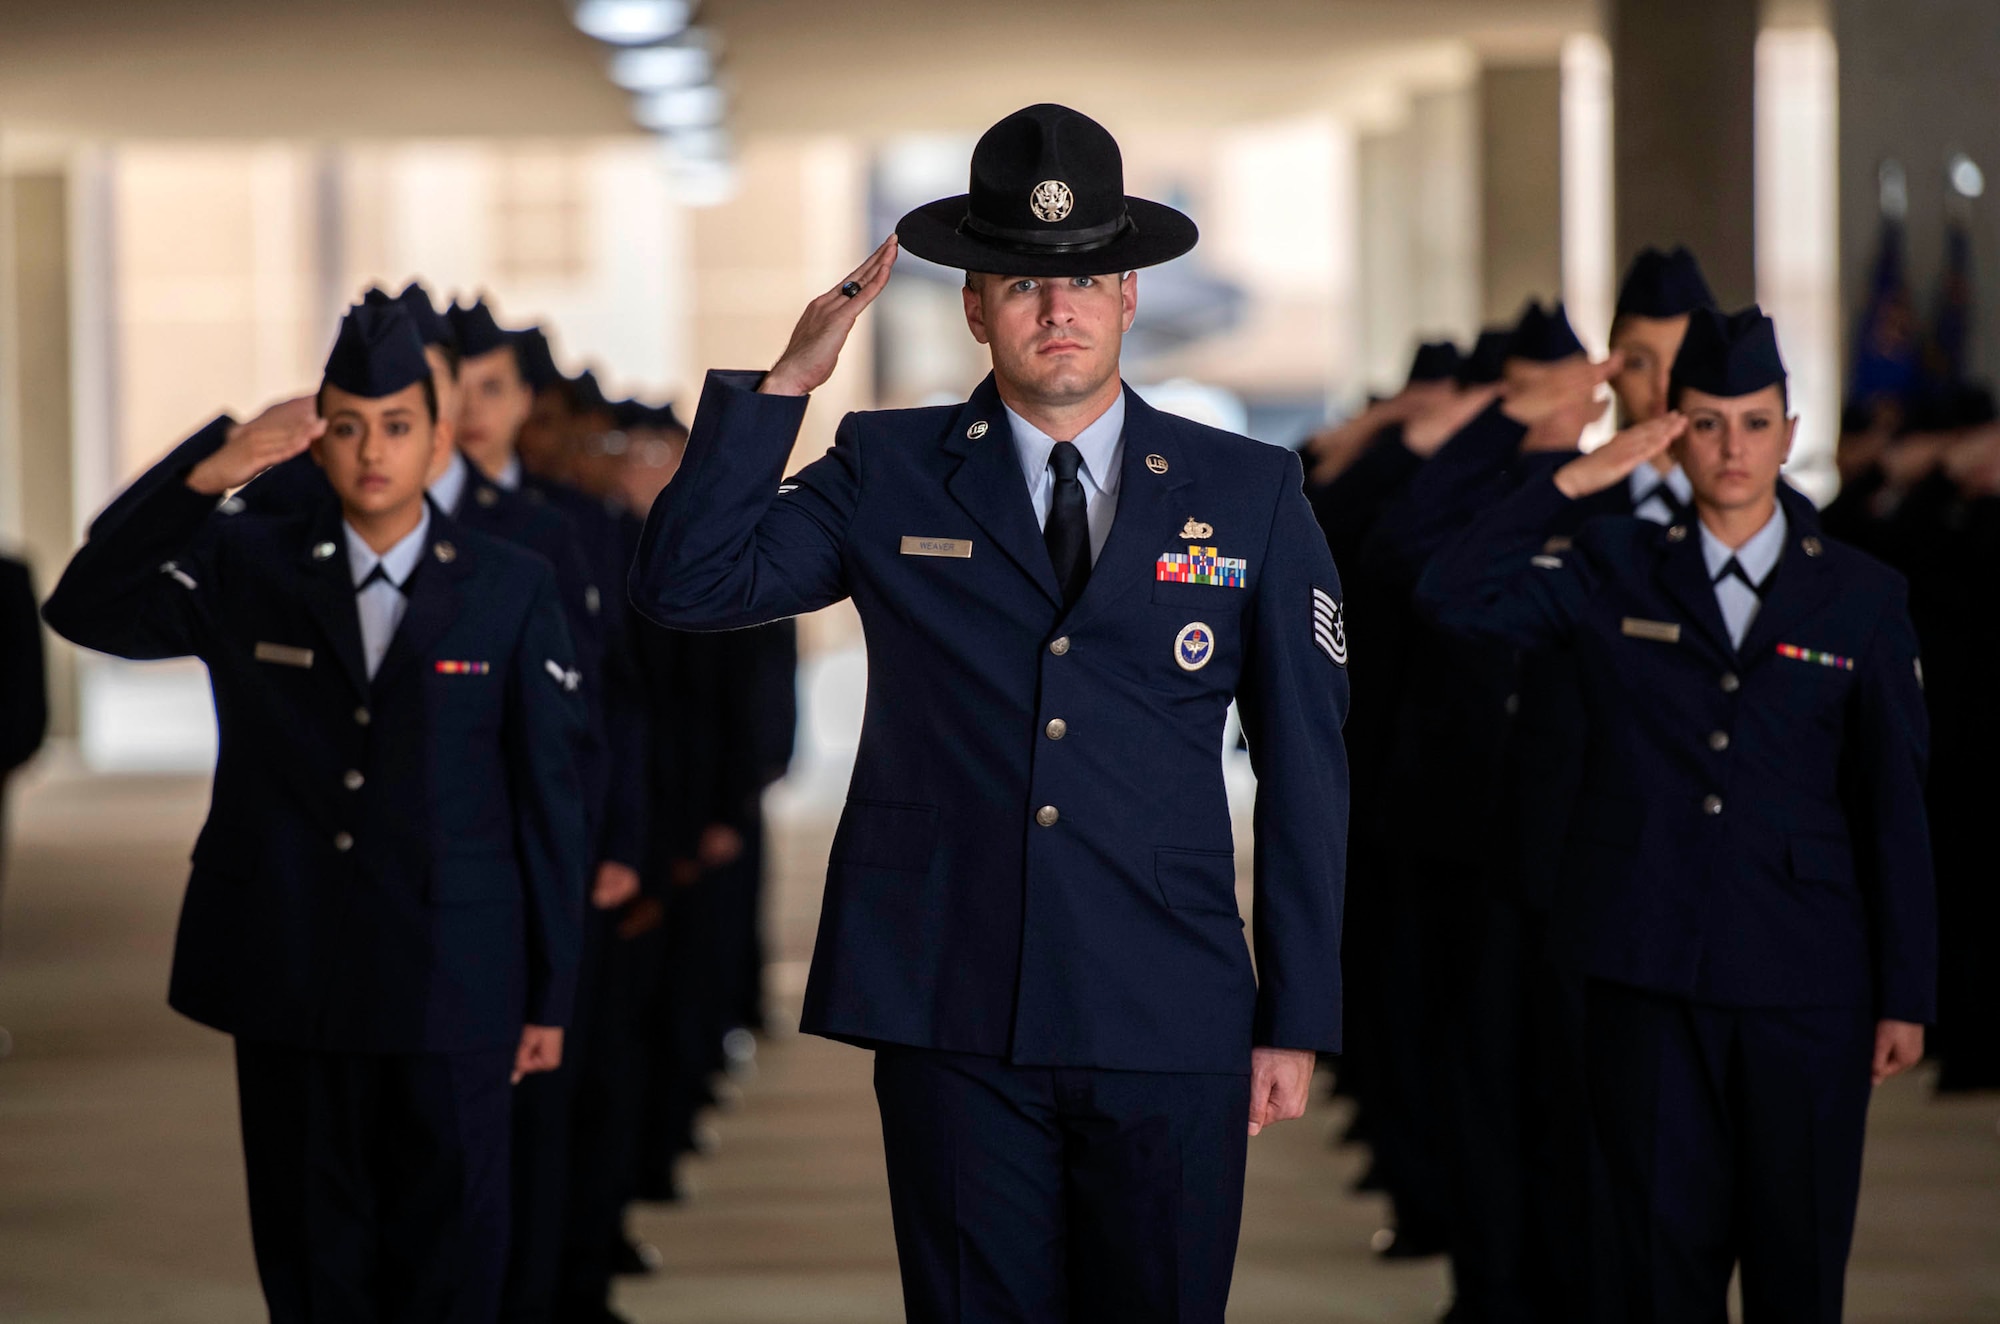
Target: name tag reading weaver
[960,548]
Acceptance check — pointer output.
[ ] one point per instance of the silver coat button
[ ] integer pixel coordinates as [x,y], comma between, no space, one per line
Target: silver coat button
[343,841]
[1059,646]
[361,717]
[1711,805]
[1718,740]
[353,779]
[1513,705]
[1730,683]
[1057,728]
[1047,815]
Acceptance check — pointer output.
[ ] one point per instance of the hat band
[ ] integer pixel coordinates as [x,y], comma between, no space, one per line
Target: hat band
[1032,242]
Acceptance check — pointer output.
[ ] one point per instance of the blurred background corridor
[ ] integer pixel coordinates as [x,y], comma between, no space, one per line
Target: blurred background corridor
[192,190]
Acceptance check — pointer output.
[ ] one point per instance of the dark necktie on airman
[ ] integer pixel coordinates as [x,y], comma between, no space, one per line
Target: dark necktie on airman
[1067,532]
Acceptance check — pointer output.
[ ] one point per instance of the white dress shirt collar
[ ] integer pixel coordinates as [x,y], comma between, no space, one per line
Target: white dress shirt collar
[1098,442]
[1738,601]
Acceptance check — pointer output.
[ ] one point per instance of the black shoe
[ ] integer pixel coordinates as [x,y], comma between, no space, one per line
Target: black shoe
[632,1258]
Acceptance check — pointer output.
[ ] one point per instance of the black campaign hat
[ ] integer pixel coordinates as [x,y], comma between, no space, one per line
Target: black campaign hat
[378,351]
[476,330]
[1544,335]
[431,327]
[1663,285]
[1728,354]
[1435,361]
[1047,198]
[1488,358]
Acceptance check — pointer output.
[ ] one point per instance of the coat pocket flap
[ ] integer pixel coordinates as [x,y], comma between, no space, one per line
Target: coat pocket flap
[1197,880]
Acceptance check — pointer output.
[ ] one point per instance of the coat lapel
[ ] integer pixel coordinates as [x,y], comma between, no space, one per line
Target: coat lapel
[1147,514]
[1684,576]
[1799,584]
[328,593]
[434,601]
[989,484]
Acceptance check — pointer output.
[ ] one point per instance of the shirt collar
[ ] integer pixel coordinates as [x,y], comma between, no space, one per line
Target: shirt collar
[509,477]
[397,562]
[1098,442]
[1646,480]
[449,489]
[1758,556]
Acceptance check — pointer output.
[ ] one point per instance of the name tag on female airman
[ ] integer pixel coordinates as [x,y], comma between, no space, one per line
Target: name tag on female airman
[1660,632]
[958,548]
[285,655]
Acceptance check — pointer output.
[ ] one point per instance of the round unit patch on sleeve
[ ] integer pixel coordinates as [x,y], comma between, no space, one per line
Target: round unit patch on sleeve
[1329,627]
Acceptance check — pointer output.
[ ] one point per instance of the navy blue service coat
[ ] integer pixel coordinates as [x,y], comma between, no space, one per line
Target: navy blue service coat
[1751,830]
[1035,860]
[392,866]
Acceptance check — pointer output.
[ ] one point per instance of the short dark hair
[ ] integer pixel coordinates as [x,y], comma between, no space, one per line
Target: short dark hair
[430,397]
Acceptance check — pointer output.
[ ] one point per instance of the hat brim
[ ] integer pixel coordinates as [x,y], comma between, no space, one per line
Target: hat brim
[1157,234]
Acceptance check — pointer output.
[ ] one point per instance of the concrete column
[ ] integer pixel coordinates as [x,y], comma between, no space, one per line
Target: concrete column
[38,322]
[1444,220]
[1683,89]
[1520,186]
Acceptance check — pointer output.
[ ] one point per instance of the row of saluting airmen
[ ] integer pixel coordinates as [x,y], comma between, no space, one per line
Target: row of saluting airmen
[1642,875]
[440,729]
[1641,891]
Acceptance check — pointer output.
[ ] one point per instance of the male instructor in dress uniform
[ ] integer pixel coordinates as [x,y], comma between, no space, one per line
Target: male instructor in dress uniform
[1030,910]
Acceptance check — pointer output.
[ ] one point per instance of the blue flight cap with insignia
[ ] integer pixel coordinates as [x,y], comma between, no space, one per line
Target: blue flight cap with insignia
[1660,284]
[1544,335]
[1483,365]
[537,360]
[378,351]
[1435,361]
[477,332]
[1727,354]
[432,328]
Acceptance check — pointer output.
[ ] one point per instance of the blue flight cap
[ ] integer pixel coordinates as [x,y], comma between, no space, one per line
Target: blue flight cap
[1663,285]
[432,329]
[477,332]
[1483,365]
[538,361]
[1544,336]
[1435,361]
[378,351]
[1728,354]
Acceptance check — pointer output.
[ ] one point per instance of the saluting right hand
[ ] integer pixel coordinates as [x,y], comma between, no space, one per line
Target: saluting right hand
[822,330]
[273,437]
[1614,461]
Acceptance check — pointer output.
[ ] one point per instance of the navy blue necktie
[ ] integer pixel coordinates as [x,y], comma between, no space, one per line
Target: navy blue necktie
[1067,532]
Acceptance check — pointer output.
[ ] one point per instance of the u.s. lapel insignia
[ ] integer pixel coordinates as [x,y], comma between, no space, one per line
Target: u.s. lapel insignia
[322,550]
[445,552]
[486,496]
[1329,626]
[1194,528]
[976,431]
[1157,463]
[1194,646]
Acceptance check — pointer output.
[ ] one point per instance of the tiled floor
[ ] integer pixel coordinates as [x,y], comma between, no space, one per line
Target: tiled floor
[121,1191]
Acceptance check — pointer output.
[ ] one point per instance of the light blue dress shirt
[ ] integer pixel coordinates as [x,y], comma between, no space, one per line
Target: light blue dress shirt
[1103,447]
[1646,484]
[449,489]
[1758,557]
[381,605]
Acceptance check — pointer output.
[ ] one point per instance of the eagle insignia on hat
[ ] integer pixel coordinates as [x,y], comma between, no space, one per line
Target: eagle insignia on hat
[1051,201]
